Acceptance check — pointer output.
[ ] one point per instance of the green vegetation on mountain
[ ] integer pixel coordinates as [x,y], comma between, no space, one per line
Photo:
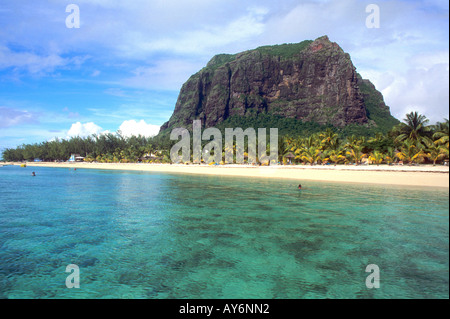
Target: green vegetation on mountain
[376,110]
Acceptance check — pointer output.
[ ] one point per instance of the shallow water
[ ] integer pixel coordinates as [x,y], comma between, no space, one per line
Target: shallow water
[151,235]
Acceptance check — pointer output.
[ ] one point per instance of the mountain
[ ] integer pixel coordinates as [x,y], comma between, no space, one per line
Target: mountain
[308,82]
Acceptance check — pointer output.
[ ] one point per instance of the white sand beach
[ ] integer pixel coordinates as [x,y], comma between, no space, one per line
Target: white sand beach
[424,175]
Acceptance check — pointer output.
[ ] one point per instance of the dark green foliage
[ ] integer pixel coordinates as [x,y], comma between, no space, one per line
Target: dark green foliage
[220,60]
[381,145]
[294,127]
[92,146]
[375,107]
[285,51]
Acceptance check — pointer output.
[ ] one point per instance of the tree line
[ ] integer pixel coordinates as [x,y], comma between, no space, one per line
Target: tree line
[106,148]
[412,141]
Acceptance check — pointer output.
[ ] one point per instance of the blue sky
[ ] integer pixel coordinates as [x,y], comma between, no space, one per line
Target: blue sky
[123,68]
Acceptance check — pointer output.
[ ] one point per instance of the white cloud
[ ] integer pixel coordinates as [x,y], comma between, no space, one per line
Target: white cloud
[37,64]
[421,90]
[423,87]
[163,75]
[127,129]
[200,38]
[84,130]
[131,127]
[429,59]
[115,92]
[30,61]
[11,117]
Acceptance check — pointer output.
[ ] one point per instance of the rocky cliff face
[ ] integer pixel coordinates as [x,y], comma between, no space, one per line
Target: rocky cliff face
[312,81]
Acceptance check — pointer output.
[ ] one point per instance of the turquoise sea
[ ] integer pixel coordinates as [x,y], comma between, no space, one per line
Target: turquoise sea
[152,235]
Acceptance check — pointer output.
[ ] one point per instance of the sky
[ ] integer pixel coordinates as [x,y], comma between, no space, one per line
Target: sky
[123,67]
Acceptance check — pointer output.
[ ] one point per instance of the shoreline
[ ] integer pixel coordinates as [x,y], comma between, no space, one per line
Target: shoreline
[425,176]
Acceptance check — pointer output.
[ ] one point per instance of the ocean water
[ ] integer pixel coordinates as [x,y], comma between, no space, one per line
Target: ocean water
[151,235]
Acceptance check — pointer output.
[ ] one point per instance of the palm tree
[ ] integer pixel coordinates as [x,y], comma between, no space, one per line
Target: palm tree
[442,132]
[228,153]
[376,157]
[354,141]
[312,141]
[329,139]
[411,151]
[324,156]
[89,158]
[310,155]
[336,156]
[356,153]
[354,147]
[389,155]
[434,151]
[283,148]
[288,140]
[296,144]
[379,137]
[414,127]
[351,141]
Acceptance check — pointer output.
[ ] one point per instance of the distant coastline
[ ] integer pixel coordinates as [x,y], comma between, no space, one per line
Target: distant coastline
[422,175]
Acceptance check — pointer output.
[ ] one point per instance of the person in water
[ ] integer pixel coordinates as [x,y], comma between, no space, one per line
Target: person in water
[299,186]
[33,174]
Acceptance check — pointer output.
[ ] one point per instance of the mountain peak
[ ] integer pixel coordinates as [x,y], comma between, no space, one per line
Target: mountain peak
[323,40]
[310,81]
